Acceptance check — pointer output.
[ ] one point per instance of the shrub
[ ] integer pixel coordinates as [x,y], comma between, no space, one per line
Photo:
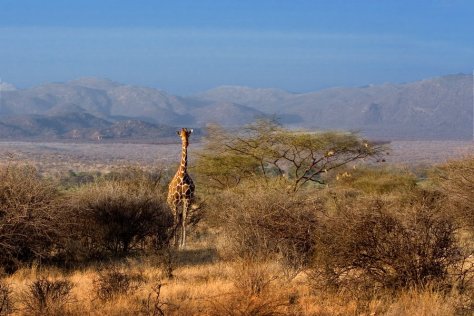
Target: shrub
[457,180]
[155,178]
[48,297]
[237,305]
[116,216]
[112,282]
[28,217]
[387,243]
[154,304]
[73,179]
[261,219]
[253,278]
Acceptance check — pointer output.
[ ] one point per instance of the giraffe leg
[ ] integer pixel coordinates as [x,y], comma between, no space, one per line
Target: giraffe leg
[183,223]
[175,235]
[176,227]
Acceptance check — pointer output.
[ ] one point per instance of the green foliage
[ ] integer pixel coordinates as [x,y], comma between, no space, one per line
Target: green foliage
[217,166]
[378,180]
[226,169]
[267,149]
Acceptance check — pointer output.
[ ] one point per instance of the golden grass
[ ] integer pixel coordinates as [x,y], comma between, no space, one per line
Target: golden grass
[421,303]
[221,288]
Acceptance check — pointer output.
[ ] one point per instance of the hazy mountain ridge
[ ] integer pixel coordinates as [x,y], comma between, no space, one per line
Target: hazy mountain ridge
[80,126]
[437,108]
[88,108]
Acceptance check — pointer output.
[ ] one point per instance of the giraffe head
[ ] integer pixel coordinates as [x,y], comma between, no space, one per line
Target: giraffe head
[184,133]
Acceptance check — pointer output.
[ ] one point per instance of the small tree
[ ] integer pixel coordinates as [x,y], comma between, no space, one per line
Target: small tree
[265,148]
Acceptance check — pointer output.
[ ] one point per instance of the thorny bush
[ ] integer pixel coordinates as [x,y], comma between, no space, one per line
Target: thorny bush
[390,243]
[267,219]
[48,297]
[118,215]
[29,225]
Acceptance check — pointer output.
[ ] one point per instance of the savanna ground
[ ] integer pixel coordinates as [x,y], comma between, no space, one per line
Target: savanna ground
[55,156]
[84,230]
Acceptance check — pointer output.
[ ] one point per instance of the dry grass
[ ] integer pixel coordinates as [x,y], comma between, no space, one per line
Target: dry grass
[421,303]
[224,288]
[5,299]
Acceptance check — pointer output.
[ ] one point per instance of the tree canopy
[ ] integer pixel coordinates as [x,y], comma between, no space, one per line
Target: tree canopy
[267,149]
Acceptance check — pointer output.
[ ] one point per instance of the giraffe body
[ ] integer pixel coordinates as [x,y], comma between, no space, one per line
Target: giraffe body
[181,192]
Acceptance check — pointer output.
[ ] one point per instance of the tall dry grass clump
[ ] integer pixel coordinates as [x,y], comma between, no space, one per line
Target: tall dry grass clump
[28,217]
[420,303]
[258,289]
[118,215]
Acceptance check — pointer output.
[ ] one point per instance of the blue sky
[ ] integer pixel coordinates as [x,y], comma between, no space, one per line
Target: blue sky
[188,46]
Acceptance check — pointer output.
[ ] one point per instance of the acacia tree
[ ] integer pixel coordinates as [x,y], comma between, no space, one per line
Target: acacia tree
[267,149]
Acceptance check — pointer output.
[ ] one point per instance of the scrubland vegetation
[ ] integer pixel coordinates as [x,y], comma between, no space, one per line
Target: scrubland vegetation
[286,224]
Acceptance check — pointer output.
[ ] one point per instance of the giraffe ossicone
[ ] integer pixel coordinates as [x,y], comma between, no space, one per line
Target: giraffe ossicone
[181,192]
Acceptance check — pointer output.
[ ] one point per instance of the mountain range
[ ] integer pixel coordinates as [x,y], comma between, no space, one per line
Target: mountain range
[93,108]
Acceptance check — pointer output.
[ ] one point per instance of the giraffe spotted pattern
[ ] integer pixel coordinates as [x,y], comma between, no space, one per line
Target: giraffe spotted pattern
[181,192]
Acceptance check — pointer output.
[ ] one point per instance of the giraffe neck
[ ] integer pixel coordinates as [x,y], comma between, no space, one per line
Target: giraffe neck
[184,159]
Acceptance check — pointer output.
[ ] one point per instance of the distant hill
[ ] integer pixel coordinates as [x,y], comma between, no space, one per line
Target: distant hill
[4,86]
[80,126]
[88,108]
[437,108]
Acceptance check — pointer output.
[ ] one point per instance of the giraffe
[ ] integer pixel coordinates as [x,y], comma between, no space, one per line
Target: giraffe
[181,191]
